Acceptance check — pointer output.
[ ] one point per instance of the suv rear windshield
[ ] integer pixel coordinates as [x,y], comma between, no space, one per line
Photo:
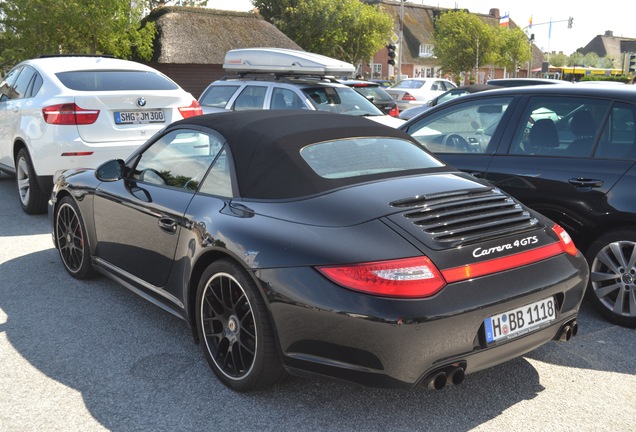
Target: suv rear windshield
[115,80]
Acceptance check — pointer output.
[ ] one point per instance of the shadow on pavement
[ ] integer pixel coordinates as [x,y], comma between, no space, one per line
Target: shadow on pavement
[137,368]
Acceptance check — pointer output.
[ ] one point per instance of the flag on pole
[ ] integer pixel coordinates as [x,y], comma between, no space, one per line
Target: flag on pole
[504,20]
[530,25]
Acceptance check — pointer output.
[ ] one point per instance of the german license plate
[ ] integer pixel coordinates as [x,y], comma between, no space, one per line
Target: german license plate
[519,321]
[139,117]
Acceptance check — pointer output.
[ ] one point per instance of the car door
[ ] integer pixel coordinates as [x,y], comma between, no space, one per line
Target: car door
[139,219]
[9,112]
[552,169]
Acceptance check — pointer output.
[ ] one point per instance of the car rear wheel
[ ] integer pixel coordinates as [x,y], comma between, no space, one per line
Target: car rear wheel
[70,238]
[32,198]
[612,288]
[235,329]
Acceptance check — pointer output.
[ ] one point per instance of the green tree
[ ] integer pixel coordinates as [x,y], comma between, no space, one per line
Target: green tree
[514,49]
[36,27]
[558,60]
[464,42]
[345,29]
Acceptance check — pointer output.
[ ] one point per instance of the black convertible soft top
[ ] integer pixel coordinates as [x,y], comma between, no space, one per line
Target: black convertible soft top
[265,147]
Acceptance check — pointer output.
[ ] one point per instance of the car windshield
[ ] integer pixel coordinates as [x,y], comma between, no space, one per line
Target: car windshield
[342,100]
[115,80]
[410,84]
[462,128]
[375,92]
[356,157]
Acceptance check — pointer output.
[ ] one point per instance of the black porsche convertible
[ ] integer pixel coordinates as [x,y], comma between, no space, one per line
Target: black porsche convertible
[321,244]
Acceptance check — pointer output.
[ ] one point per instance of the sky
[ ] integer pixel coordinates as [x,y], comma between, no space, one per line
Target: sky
[589,19]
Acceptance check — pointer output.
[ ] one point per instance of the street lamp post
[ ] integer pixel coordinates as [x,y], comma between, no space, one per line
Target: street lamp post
[400,44]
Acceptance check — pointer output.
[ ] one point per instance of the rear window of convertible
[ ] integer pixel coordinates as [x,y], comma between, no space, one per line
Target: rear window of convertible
[115,80]
[354,157]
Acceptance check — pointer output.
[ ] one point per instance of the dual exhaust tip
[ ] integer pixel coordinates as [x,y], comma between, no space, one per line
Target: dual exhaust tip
[455,374]
[449,375]
[568,331]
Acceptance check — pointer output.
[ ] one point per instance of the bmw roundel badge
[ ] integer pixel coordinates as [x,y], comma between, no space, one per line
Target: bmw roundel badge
[141,101]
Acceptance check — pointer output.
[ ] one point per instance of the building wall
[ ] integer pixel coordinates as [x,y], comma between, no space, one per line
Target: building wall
[193,78]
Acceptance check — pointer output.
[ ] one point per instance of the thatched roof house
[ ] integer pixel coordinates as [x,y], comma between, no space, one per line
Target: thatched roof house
[191,43]
[613,47]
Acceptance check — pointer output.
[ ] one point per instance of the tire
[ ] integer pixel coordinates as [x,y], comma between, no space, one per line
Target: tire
[70,239]
[235,329]
[612,286]
[32,198]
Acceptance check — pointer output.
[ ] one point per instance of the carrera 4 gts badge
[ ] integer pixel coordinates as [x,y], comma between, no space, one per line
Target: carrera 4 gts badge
[480,252]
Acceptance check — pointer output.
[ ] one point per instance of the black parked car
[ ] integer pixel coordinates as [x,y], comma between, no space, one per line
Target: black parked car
[325,244]
[376,93]
[567,151]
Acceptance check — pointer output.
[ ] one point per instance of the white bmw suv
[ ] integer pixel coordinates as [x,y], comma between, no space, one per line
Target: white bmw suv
[62,112]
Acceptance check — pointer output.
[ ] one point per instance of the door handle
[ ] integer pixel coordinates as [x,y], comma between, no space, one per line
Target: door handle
[585,182]
[168,225]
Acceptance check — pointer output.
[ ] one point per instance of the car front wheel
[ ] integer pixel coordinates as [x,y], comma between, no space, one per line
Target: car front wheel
[32,198]
[235,330]
[612,288]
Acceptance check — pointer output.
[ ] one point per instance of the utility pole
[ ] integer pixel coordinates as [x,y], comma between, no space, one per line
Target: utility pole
[400,44]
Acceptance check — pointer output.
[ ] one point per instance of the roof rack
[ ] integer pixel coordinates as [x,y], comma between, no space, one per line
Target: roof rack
[283,62]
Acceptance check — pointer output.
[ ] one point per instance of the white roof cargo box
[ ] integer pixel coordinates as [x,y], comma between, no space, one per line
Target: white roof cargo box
[278,60]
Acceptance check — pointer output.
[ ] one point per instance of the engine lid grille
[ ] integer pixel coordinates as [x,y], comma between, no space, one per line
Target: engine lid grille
[466,217]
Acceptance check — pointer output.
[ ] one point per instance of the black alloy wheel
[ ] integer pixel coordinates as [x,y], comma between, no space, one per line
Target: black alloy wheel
[235,329]
[612,288]
[70,239]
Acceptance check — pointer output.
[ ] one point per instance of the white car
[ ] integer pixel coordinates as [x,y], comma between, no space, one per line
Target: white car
[412,92]
[283,79]
[62,112]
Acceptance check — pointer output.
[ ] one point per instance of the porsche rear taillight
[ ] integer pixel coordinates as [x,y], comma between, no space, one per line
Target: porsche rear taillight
[408,96]
[409,277]
[395,111]
[190,111]
[69,114]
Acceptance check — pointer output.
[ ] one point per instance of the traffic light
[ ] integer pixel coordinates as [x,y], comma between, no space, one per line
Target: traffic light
[391,53]
[570,22]
[632,63]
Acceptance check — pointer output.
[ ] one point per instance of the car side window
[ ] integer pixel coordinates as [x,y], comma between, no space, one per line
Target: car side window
[284,99]
[252,97]
[6,87]
[462,128]
[219,178]
[559,127]
[21,86]
[218,96]
[618,139]
[180,159]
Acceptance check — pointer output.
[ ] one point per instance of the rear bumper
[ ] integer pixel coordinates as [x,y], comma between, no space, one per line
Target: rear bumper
[326,330]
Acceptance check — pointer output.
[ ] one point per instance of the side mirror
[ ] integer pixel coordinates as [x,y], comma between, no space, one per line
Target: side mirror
[111,171]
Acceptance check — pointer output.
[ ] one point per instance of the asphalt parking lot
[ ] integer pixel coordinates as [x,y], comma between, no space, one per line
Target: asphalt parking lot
[91,356]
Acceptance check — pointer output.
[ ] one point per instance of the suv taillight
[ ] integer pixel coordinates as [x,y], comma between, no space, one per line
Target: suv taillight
[190,111]
[69,114]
